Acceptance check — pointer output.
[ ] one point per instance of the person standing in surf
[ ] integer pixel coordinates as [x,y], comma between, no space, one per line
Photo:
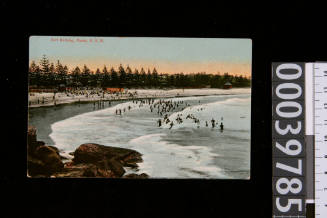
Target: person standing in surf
[221,126]
[213,123]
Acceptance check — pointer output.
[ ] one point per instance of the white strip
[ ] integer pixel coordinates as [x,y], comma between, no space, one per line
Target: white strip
[320,130]
[310,201]
[309,99]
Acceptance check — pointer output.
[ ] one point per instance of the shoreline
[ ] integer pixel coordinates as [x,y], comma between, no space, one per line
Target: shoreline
[89,160]
[110,97]
[67,110]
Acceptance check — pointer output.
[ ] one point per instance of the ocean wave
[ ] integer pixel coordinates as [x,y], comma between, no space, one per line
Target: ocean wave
[167,160]
[137,130]
[233,112]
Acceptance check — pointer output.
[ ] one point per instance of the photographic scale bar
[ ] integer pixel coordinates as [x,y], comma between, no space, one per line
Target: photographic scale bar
[310,85]
[316,126]
[320,94]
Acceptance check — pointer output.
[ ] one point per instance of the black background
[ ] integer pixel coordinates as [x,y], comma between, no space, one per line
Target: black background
[279,32]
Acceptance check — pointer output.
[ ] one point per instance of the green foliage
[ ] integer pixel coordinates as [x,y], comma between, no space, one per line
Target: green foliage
[114,78]
[49,76]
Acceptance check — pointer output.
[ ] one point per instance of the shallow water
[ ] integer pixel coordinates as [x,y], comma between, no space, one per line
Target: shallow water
[187,150]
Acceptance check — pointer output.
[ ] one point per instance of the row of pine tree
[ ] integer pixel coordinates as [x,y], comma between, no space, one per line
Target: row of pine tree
[49,75]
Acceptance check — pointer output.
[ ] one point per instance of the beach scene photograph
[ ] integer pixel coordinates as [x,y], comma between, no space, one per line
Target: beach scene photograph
[139,107]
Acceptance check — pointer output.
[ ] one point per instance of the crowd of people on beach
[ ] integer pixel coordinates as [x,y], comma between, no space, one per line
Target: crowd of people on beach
[77,95]
[163,108]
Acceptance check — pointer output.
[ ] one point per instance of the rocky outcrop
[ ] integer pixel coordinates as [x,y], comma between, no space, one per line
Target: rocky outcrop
[83,170]
[136,176]
[32,143]
[90,160]
[94,160]
[90,153]
[42,160]
[50,158]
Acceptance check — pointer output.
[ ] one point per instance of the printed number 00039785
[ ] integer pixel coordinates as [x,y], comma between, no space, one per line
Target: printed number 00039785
[293,147]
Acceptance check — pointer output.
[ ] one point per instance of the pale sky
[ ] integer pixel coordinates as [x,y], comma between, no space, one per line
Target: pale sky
[168,55]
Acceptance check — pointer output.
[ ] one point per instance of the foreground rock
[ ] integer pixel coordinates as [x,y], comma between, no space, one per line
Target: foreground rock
[94,160]
[90,160]
[42,160]
[93,153]
[136,176]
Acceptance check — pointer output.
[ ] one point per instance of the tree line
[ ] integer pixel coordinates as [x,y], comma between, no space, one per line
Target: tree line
[50,75]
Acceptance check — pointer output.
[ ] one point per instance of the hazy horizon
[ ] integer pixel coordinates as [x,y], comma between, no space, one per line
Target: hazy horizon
[167,55]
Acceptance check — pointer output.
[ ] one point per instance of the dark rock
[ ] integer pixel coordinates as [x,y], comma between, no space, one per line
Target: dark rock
[40,143]
[31,135]
[90,160]
[50,158]
[132,158]
[88,153]
[32,144]
[106,173]
[69,164]
[54,148]
[58,152]
[132,165]
[71,170]
[107,158]
[35,166]
[137,176]
[84,170]
[63,157]
[91,153]
[90,171]
[43,161]
[116,167]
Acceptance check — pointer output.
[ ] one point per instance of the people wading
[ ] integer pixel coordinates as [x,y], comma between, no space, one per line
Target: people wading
[221,126]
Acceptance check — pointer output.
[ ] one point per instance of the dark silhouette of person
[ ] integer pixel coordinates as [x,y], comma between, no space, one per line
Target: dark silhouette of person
[213,123]
[171,124]
[221,126]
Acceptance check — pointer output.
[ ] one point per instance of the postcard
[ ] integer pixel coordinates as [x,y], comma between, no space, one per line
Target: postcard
[139,107]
